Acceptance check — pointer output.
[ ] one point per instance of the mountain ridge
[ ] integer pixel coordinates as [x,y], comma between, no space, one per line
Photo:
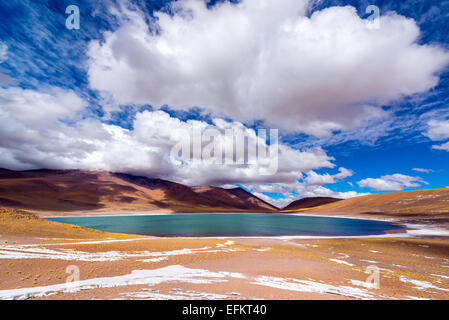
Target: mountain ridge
[310,202]
[99,192]
[429,202]
[77,190]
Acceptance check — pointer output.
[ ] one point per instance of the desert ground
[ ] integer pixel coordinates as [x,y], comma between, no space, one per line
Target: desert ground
[38,257]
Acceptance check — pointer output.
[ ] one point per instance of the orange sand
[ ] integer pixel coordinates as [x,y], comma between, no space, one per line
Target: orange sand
[408,268]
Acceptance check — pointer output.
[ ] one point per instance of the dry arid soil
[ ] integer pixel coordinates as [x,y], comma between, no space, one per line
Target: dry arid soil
[38,257]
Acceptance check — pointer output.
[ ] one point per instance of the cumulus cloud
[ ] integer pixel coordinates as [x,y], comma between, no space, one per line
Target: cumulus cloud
[343,173]
[300,190]
[318,179]
[438,130]
[47,130]
[309,185]
[159,129]
[265,60]
[280,202]
[314,178]
[395,182]
[320,191]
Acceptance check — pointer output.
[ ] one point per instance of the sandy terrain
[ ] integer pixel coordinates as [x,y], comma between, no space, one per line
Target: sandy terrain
[37,257]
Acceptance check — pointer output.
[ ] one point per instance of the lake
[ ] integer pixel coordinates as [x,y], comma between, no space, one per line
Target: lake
[228,225]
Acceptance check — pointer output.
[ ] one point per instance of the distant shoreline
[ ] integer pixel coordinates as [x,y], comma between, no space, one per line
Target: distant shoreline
[139,213]
[387,233]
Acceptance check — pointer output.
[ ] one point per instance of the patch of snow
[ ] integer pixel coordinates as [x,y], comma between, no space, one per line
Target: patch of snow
[364,284]
[423,230]
[341,262]
[422,285]
[136,277]
[155,259]
[416,298]
[23,252]
[175,294]
[440,276]
[311,286]
[369,261]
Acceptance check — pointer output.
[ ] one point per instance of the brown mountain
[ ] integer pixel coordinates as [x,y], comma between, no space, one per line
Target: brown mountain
[75,190]
[309,203]
[433,202]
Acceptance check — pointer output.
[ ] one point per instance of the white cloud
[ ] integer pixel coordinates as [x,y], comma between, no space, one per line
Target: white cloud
[438,130]
[279,203]
[46,130]
[395,182]
[3,52]
[297,190]
[310,186]
[423,170]
[320,191]
[317,179]
[343,173]
[265,60]
[444,146]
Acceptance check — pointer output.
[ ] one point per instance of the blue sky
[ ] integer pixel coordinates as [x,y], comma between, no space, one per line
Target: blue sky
[44,60]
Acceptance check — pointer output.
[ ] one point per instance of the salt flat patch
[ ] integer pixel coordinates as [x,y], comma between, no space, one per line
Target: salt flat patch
[369,261]
[62,254]
[263,249]
[174,273]
[178,273]
[312,286]
[155,259]
[364,284]
[233,275]
[175,294]
[416,298]
[342,262]
[66,254]
[26,252]
[440,276]
[421,285]
[190,251]
[424,230]
[87,242]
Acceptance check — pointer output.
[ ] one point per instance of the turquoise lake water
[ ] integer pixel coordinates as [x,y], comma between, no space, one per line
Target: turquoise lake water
[221,225]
